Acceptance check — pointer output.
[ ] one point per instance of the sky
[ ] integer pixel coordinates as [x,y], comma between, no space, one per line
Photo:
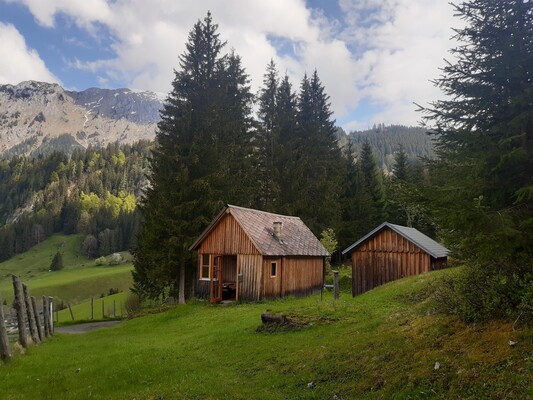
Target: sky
[376,58]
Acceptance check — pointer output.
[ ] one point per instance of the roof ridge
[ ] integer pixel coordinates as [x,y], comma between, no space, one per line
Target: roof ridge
[261,211]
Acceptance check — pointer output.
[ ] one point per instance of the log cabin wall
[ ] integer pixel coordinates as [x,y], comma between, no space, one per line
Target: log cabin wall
[385,257]
[227,238]
[250,269]
[272,284]
[302,275]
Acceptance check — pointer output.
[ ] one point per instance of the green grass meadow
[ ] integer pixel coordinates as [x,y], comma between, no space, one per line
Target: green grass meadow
[381,345]
[76,282]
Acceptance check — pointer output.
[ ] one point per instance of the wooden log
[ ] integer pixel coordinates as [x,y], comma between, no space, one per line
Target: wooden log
[31,316]
[5,354]
[21,313]
[37,319]
[46,317]
[271,318]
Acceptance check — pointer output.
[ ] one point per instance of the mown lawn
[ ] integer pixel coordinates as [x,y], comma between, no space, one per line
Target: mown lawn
[381,345]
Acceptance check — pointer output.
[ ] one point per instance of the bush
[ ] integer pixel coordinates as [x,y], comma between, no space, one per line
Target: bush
[115,259]
[479,293]
[100,261]
[132,305]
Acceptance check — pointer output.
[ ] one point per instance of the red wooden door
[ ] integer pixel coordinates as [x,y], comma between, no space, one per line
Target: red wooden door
[216,280]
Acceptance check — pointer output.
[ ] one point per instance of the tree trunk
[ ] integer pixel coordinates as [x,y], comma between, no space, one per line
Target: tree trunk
[181,294]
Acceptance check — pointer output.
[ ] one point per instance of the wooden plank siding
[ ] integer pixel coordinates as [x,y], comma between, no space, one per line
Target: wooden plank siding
[386,257]
[272,285]
[248,266]
[302,275]
[227,238]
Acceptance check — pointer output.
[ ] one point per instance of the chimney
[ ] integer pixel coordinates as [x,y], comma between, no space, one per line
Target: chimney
[276,227]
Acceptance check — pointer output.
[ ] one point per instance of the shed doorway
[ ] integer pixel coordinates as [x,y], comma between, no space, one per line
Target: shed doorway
[223,281]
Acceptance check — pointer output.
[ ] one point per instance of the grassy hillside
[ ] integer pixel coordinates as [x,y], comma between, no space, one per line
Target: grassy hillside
[79,279]
[381,345]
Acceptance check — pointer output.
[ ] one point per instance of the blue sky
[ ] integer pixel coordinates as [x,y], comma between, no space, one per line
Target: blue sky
[375,57]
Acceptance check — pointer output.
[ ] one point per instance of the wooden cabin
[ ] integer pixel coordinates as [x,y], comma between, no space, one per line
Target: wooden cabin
[392,252]
[247,254]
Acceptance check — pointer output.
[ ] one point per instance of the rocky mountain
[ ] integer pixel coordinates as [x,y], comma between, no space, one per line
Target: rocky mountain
[38,117]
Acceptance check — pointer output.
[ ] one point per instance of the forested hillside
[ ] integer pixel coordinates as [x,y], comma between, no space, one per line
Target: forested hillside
[386,140]
[93,192]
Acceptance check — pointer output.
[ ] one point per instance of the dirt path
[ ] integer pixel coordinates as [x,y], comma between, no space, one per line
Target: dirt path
[84,328]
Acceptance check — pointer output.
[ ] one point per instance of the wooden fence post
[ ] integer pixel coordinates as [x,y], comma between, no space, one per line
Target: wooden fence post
[19,308]
[5,355]
[70,309]
[335,285]
[37,319]
[31,316]
[46,316]
[51,313]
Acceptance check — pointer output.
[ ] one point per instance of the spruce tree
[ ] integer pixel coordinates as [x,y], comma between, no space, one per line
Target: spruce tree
[373,181]
[317,174]
[268,145]
[200,161]
[483,184]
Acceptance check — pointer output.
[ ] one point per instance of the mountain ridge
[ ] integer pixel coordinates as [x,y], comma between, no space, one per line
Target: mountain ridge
[38,117]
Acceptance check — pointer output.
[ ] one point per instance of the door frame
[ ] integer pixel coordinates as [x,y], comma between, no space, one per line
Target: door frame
[216,278]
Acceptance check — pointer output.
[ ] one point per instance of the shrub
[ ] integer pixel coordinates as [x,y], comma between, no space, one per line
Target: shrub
[480,293]
[115,259]
[132,305]
[100,261]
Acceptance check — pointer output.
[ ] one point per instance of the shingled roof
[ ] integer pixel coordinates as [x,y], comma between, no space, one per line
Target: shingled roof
[427,244]
[296,238]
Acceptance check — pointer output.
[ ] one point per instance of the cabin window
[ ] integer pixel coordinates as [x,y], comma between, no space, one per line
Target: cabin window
[273,269]
[204,267]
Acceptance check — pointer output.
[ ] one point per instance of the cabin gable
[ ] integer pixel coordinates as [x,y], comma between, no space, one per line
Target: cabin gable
[227,238]
[392,252]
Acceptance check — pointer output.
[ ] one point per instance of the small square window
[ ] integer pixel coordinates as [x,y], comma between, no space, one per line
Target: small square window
[273,269]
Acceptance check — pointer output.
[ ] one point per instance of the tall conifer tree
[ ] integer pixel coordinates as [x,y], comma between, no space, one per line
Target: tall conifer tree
[202,144]
[483,192]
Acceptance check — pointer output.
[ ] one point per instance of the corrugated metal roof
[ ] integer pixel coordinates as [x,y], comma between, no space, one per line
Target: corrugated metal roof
[296,238]
[427,244]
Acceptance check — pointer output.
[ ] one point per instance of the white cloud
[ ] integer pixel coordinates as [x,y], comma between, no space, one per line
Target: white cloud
[18,62]
[403,46]
[84,12]
[386,53]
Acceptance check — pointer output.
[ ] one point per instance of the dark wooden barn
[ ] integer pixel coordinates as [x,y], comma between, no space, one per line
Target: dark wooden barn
[392,252]
[250,254]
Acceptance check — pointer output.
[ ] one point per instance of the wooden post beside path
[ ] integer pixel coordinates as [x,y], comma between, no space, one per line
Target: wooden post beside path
[70,309]
[46,316]
[37,319]
[336,285]
[51,320]
[20,309]
[5,355]
[30,314]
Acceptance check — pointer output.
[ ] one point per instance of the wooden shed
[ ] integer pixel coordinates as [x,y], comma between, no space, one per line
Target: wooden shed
[250,254]
[392,252]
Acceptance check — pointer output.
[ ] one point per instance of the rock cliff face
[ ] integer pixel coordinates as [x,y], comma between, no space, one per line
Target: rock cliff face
[37,117]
